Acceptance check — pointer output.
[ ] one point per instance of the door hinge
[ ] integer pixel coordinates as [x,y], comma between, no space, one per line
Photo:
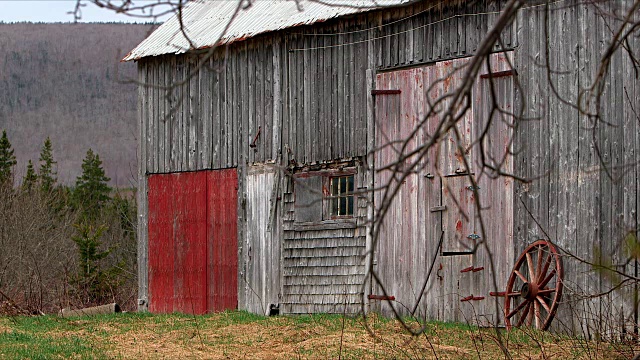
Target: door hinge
[499,74]
[471,268]
[386,92]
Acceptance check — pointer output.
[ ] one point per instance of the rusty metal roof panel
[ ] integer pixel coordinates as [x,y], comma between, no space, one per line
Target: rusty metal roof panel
[207,23]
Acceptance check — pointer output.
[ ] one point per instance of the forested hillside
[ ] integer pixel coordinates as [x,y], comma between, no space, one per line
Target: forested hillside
[65,81]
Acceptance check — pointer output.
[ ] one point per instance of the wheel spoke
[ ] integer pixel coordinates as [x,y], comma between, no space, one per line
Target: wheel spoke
[530,316]
[548,278]
[521,276]
[518,308]
[532,274]
[543,303]
[539,260]
[546,267]
[524,316]
[546,291]
[536,307]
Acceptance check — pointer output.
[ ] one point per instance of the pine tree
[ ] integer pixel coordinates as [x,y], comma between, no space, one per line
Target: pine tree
[95,282]
[7,159]
[30,178]
[47,174]
[91,192]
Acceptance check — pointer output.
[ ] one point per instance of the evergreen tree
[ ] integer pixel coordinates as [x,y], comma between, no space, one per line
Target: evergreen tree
[7,159]
[91,192]
[30,178]
[47,174]
[95,282]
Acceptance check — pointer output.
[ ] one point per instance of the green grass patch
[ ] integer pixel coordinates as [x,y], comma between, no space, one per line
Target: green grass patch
[21,345]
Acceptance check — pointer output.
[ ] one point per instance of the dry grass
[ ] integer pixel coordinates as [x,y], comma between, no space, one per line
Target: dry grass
[239,335]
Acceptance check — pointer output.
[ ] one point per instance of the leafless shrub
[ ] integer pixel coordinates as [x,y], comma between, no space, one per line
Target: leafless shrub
[39,261]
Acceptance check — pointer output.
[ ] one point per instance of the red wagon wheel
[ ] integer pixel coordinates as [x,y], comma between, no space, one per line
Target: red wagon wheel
[534,288]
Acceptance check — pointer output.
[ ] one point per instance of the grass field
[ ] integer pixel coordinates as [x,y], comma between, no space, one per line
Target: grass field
[240,335]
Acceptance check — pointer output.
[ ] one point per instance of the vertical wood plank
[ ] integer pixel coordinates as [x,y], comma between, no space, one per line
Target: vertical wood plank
[253,93]
[305,142]
[204,91]
[301,142]
[338,101]
[278,95]
[292,91]
[216,103]
[348,100]
[195,123]
[224,90]
[161,121]
[142,230]
[268,118]
[151,118]
[175,118]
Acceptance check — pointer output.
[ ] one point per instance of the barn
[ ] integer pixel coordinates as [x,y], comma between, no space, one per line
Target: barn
[349,156]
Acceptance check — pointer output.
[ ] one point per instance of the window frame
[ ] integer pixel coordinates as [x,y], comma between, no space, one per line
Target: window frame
[326,175]
[328,198]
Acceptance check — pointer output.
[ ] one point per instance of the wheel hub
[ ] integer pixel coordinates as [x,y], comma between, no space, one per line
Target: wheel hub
[529,291]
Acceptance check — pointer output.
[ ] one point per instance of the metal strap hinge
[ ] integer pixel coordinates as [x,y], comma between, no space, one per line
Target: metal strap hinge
[498,74]
[386,91]
[471,268]
[381,297]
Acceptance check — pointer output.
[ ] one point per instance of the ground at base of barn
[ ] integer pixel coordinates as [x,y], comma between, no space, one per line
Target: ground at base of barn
[240,335]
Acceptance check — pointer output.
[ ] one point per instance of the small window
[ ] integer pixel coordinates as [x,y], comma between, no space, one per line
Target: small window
[324,195]
[341,196]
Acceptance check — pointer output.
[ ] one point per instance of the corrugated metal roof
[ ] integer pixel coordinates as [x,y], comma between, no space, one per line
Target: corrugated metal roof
[205,21]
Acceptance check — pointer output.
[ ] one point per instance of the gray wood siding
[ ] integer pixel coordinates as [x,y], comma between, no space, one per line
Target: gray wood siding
[586,202]
[430,31]
[211,117]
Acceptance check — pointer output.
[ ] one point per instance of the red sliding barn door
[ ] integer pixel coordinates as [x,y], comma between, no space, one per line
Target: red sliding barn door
[192,241]
[223,244]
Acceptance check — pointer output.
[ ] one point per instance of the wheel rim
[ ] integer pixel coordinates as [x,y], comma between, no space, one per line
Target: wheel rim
[534,288]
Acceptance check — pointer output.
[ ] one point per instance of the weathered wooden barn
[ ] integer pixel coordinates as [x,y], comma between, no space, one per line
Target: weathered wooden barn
[270,131]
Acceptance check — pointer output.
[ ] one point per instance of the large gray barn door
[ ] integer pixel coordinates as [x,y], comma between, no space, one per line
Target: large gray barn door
[411,229]
[439,196]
